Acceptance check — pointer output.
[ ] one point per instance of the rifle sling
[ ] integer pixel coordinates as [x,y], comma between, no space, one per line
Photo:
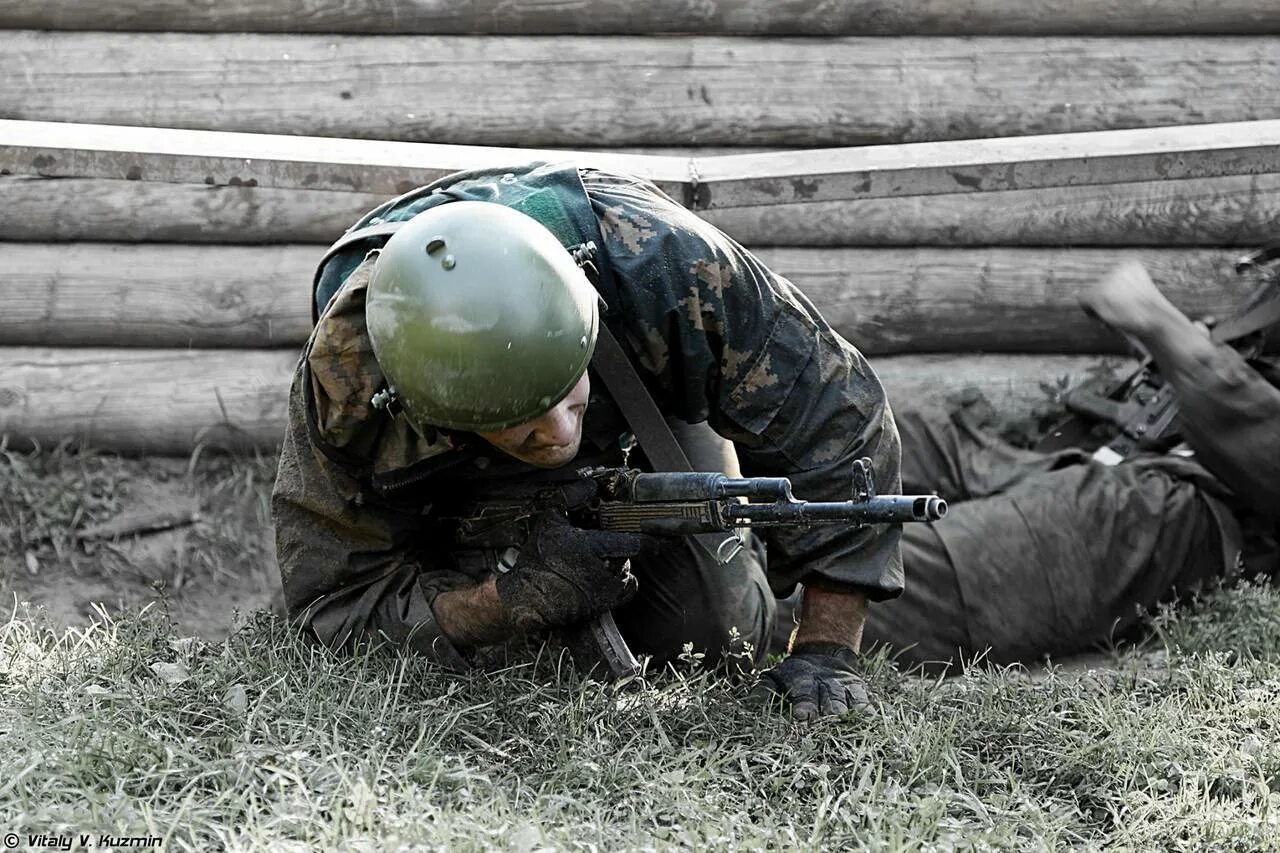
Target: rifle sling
[1254,320]
[646,421]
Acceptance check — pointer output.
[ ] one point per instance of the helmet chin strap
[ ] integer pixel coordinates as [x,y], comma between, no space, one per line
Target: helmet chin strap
[584,255]
[387,400]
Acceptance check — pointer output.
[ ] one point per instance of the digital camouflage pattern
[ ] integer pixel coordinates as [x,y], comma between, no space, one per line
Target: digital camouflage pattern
[716,336]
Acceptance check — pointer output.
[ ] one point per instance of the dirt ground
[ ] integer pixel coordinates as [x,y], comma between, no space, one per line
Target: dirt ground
[85,531]
[81,530]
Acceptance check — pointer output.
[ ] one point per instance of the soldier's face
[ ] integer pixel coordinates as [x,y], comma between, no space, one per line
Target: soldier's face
[550,440]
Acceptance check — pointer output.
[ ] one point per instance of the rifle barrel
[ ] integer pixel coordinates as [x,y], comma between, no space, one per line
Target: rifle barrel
[883,509]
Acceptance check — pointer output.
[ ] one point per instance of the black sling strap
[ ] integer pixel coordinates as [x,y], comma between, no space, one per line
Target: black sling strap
[647,423]
[650,427]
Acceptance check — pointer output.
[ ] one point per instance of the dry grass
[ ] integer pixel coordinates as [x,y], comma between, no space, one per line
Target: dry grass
[259,741]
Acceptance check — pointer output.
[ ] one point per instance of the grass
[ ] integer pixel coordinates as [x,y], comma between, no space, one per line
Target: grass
[261,741]
[264,742]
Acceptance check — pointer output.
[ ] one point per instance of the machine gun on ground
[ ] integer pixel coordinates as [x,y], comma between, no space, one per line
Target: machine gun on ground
[1141,409]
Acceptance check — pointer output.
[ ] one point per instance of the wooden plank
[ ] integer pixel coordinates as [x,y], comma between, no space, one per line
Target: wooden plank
[619,17]
[167,402]
[988,165]
[613,91]
[218,158]
[1240,210]
[1231,211]
[67,150]
[1015,385]
[884,300]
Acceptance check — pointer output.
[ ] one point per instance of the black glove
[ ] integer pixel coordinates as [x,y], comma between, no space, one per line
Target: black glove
[565,575]
[819,679]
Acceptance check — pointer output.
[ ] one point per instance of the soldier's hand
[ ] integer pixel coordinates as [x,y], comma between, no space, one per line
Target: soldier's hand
[566,575]
[816,680]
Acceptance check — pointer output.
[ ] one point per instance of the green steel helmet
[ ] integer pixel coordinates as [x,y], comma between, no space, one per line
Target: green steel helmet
[479,318]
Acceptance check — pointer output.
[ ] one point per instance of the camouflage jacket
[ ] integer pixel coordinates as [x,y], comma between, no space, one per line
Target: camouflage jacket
[714,334]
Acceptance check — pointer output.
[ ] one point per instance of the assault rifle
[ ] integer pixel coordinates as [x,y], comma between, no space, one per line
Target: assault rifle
[1141,408]
[678,504]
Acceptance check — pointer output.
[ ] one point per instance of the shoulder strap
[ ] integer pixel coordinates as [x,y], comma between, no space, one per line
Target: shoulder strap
[650,428]
[641,412]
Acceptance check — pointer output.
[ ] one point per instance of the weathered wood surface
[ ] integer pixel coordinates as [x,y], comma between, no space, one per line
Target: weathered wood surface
[162,401]
[1232,211]
[102,294]
[988,165]
[320,163]
[884,300]
[816,175]
[613,91]
[624,17]
[53,209]
[170,401]
[993,300]
[1242,210]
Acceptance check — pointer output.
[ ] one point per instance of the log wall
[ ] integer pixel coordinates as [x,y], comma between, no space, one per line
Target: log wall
[538,91]
[884,300]
[168,401]
[1232,211]
[149,317]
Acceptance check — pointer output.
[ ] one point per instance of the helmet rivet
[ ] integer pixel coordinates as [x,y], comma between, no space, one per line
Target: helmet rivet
[583,343]
[449,262]
[545,402]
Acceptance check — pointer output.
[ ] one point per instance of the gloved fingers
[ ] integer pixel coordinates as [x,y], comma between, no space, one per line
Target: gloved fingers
[857,700]
[795,682]
[842,695]
[830,698]
[550,518]
[606,543]
[804,711]
[768,694]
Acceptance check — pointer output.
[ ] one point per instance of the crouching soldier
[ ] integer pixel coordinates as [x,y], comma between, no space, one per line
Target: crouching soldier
[462,351]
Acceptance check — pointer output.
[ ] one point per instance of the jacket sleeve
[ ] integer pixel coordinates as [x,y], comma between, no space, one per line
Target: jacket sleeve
[720,337]
[347,575]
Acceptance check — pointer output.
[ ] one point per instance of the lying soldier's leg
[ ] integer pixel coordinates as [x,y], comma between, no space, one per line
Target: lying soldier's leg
[1229,413]
[1063,560]
[955,458]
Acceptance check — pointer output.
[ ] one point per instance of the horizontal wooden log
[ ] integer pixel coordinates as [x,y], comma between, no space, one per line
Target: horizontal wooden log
[1232,211]
[613,91]
[102,294]
[145,400]
[100,209]
[1240,210]
[170,401]
[884,300]
[620,17]
[990,300]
